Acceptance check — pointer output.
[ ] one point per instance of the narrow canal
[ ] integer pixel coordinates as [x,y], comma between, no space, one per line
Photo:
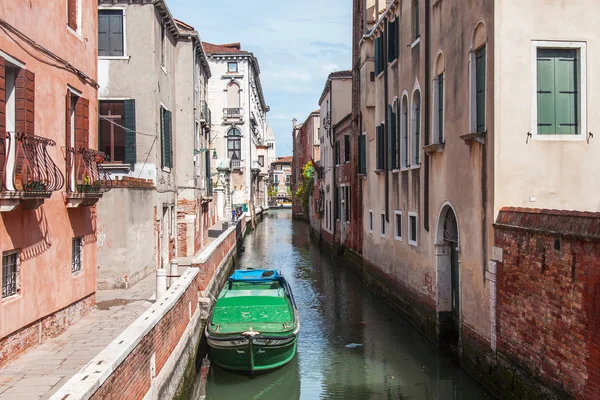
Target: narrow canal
[352,345]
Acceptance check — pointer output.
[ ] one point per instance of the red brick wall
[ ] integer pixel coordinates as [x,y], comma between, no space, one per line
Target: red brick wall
[131,379]
[548,300]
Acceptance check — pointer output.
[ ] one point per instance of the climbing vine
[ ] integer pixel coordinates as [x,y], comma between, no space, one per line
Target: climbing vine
[305,185]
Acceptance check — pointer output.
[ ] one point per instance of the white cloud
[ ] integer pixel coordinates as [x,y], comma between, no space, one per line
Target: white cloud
[330,67]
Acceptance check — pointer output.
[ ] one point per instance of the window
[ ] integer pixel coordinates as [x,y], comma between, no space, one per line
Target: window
[412,228]
[116,136]
[166,138]
[261,161]
[392,138]
[326,216]
[347,200]
[560,101]
[110,33]
[346,148]
[76,247]
[380,147]
[232,67]
[233,96]
[479,86]
[362,153]
[404,133]
[438,118]
[337,152]
[379,55]
[234,144]
[392,32]
[276,179]
[370,220]
[163,46]
[337,204]
[416,129]
[10,273]
[382,224]
[74,15]
[398,225]
[287,179]
[416,27]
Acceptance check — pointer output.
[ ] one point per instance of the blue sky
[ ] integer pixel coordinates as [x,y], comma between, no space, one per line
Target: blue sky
[297,43]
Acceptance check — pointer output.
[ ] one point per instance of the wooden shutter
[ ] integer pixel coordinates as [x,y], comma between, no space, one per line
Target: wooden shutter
[398,134]
[168,139]
[417,137]
[337,152]
[72,14]
[566,92]
[376,56]
[546,92]
[162,136]
[441,108]
[480,88]
[2,120]
[116,33]
[346,147]
[25,101]
[82,124]
[362,154]
[130,132]
[103,33]
[392,133]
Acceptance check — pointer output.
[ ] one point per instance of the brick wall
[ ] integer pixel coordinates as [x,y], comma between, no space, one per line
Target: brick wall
[12,346]
[132,378]
[548,300]
[132,183]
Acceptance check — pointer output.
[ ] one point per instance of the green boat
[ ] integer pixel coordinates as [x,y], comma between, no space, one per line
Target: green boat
[254,325]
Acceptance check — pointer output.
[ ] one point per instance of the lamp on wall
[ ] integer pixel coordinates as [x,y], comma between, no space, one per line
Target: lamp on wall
[214,154]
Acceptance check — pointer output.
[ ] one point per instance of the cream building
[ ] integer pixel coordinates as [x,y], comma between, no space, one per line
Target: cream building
[239,116]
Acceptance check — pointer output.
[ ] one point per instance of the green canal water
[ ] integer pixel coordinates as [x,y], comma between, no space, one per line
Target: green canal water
[352,345]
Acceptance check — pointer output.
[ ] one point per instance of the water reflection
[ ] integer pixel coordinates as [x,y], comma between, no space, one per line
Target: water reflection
[351,345]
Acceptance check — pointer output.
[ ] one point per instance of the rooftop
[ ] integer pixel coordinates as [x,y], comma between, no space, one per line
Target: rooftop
[283,160]
[227,48]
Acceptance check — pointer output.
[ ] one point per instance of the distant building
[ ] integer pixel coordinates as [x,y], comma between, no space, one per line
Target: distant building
[281,178]
[239,116]
[306,148]
[336,105]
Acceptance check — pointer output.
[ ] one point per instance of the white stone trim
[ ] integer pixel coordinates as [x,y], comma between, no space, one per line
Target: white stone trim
[396,236]
[413,242]
[123,9]
[582,75]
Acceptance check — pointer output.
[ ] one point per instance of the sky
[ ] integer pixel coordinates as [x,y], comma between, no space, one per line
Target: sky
[297,43]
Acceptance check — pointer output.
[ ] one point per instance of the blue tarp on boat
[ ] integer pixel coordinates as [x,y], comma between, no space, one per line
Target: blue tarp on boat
[255,275]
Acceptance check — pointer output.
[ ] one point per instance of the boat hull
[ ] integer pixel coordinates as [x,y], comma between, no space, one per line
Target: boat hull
[251,356]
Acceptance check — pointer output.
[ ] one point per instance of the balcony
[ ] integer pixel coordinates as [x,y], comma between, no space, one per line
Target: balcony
[87,181]
[28,175]
[233,113]
[236,164]
[205,115]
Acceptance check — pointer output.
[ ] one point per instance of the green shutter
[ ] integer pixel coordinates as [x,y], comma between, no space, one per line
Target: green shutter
[362,160]
[441,108]
[566,92]
[416,21]
[480,88]
[169,140]
[417,130]
[162,137]
[130,135]
[546,92]
[392,138]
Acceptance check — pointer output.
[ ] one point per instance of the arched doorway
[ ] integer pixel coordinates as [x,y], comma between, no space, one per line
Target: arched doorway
[448,275]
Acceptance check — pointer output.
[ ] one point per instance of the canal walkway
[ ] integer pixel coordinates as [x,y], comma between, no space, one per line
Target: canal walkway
[41,371]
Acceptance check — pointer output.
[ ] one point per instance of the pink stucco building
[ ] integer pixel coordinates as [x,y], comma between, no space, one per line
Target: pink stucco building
[49,177]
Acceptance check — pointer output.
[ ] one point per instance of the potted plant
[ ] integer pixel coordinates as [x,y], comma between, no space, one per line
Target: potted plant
[35,186]
[88,186]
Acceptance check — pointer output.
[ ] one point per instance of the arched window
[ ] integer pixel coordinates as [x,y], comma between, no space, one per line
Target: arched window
[416,129]
[404,133]
[233,95]
[478,78]
[234,144]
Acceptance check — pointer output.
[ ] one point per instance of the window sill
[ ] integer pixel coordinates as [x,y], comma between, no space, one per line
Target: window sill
[558,138]
[232,75]
[11,298]
[379,75]
[474,136]
[398,238]
[412,243]
[113,57]
[379,171]
[75,33]
[116,166]
[434,148]
[395,171]
[416,166]
[393,62]
[415,43]
[77,273]
[164,69]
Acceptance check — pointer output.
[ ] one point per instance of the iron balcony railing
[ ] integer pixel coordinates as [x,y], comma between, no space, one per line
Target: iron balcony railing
[26,166]
[233,112]
[84,172]
[205,114]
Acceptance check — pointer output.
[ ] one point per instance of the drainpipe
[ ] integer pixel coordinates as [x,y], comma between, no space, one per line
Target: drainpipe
[427,97]
[386,122]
